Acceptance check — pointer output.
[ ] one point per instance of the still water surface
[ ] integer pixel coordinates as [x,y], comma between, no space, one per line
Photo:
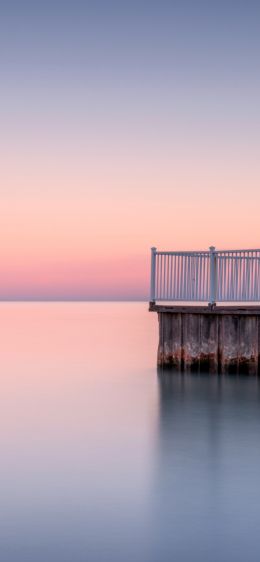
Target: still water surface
[102,459]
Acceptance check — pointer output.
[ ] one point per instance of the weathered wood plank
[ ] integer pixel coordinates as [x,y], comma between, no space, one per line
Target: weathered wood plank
[216,310]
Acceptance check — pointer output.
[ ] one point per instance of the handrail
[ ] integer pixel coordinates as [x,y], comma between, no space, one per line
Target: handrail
[205,276]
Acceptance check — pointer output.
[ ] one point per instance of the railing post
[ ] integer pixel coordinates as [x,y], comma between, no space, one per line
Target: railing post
[153,271]
[213,276]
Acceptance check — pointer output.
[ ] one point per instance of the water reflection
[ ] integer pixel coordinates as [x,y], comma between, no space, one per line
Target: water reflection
[101,459]
[78,420]
[207,493]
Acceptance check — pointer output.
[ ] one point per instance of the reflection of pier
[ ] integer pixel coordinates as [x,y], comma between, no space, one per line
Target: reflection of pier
[208,309]
[207,467]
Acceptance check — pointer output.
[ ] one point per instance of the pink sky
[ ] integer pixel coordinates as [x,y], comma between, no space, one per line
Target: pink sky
[111,145]
[94,242]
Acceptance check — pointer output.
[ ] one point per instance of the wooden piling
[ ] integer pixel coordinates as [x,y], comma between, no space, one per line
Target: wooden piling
[222,339]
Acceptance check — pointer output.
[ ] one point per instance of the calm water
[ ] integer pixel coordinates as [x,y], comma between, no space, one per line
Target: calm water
[104,460]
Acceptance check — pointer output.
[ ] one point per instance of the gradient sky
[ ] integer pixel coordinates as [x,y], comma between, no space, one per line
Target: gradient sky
[124,125]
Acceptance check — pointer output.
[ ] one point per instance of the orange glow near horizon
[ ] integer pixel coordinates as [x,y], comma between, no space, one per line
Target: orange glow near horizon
[97,245]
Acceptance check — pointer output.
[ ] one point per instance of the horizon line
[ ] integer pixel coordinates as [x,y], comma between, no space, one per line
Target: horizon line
[71,300]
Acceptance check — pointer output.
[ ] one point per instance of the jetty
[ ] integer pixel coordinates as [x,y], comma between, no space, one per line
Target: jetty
[208,306]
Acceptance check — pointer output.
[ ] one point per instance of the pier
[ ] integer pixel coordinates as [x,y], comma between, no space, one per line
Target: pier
[208,306]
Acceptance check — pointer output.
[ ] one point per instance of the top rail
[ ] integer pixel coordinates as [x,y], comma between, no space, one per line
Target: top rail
[202,252]
[205,276]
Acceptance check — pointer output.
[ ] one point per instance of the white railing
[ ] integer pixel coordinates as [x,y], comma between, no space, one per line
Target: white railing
[211,276]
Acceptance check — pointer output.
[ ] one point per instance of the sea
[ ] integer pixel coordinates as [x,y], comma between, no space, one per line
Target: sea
[105,458]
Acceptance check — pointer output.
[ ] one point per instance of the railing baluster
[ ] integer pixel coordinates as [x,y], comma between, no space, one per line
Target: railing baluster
[153,274]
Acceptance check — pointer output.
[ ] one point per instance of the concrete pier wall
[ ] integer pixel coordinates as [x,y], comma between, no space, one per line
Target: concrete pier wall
[217,340]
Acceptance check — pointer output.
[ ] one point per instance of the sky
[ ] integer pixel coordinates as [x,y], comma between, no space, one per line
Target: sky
[124,125]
